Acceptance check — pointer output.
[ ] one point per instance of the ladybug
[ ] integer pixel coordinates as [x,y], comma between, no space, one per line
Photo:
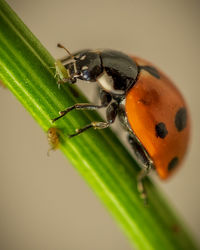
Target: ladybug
[149,106]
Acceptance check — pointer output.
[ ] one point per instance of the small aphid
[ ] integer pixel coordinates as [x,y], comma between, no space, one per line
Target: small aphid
[61,72]
[53,139]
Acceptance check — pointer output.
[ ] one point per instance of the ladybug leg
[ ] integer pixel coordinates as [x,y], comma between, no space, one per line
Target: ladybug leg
[77,106]
[105,100]
[143,157]
[111,114]
[140,183]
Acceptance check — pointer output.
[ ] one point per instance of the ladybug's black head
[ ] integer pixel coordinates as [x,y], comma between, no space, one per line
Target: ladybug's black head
[85,65]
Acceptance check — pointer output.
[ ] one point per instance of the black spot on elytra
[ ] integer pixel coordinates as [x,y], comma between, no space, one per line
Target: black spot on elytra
[181,119]
[153,71]
[161,130]
[173,163]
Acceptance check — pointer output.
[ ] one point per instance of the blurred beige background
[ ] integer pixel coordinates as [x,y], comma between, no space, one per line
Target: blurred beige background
[44,202]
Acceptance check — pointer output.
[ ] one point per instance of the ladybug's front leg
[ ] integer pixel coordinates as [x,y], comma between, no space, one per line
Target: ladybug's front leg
[78,106]
[111,114]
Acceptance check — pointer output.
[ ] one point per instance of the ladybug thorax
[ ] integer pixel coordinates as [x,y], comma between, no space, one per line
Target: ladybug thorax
[114,71]
[119,72]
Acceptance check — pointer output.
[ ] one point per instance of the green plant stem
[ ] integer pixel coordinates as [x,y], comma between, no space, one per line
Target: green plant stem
[98,155]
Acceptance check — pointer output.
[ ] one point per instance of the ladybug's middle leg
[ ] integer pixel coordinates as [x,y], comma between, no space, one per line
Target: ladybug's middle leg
[111,114]
[140,182]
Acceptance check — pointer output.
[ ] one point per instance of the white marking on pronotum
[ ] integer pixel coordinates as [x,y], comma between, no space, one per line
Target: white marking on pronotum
[107,83]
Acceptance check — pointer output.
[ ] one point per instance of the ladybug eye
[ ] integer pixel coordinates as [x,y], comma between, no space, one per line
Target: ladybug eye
[85,72]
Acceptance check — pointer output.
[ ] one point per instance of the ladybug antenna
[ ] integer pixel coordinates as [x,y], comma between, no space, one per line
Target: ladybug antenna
[61,46]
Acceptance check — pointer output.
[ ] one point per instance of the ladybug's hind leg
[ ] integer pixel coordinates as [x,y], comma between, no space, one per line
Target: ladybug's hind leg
[143,158]
[140,183]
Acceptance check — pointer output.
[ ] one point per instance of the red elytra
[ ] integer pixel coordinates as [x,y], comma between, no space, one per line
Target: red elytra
[156,101]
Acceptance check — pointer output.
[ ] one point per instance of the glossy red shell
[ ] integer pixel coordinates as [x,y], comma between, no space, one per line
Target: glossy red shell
[152,101]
